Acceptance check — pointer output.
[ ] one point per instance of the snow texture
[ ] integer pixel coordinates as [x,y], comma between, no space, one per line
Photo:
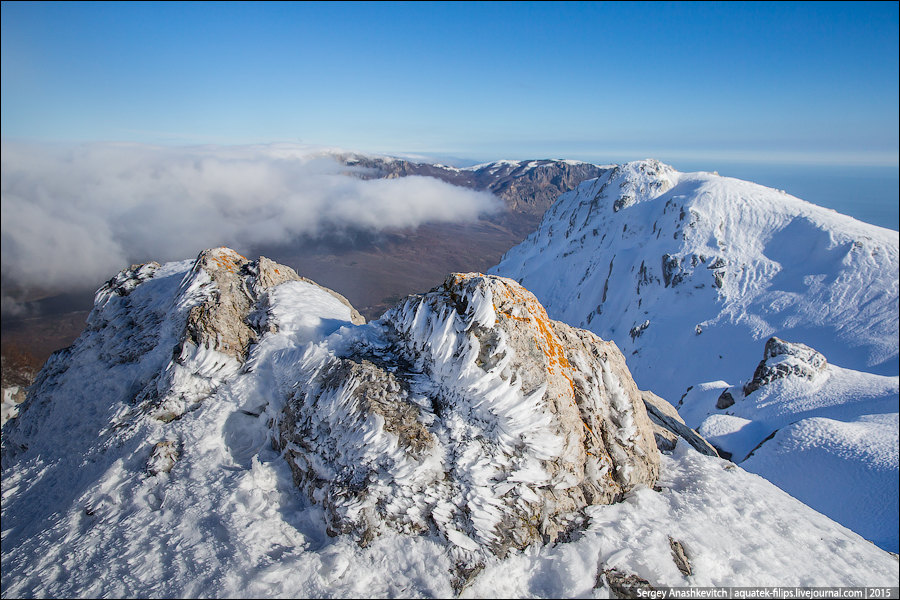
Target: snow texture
[691,274]
[103,495]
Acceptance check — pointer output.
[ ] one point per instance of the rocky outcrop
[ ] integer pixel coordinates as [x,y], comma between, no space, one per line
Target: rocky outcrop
[668,426]
[679,555]
[470,414]
[624,585]
[224,321]
[784,359]
[219,311]
[725,400]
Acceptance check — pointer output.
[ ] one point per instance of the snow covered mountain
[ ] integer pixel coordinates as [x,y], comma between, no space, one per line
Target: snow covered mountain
[692,275]
[224,427]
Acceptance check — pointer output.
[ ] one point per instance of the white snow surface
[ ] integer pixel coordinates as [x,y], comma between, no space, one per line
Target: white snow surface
[690,274]
[9,408]
[831,442]
[787,268]
[83,516]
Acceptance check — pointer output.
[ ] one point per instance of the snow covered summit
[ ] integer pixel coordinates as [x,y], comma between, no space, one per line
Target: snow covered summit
[693,274]
[224,427]
[654,259]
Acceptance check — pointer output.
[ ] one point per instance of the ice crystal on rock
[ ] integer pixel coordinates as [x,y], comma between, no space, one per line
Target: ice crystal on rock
[466,411]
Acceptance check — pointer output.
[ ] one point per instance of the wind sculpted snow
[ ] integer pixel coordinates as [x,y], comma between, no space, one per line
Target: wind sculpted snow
[104,495]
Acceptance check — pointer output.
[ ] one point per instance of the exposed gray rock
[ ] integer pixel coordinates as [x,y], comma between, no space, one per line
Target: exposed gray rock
[784,359]
[624,585]
[668,426]
[472,415]
[725,400]
[239,286]
[680,557]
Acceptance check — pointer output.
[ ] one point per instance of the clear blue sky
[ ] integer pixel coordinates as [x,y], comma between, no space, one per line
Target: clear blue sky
[805,82]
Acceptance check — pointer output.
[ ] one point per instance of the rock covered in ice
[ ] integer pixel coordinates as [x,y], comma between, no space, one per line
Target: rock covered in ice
[164,337]
[467,412]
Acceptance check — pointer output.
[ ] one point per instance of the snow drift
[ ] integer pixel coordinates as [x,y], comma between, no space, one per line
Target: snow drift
[225,428]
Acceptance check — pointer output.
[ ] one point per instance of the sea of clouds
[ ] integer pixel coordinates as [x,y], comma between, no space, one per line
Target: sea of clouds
[73,216]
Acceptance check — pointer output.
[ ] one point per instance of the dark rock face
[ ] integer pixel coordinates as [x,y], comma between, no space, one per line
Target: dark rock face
[784,359]
[673,274]
[469,414]
[725,400]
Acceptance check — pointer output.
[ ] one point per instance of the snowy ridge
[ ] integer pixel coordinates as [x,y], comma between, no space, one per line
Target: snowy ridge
[105,495]
[691,273]
[703,256]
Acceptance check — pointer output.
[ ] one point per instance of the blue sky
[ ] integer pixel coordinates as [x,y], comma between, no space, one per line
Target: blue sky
[783,82]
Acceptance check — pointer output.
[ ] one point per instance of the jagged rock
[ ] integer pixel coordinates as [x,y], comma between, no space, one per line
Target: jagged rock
[668,426]
[784,359]
[638,330]
[673,274]
[468,412]
[624,585]
[680,557]
[219,311]
[725,400]
[224,322]
[718,278]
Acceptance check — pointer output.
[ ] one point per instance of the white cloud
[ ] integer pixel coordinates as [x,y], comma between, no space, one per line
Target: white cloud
[74,216]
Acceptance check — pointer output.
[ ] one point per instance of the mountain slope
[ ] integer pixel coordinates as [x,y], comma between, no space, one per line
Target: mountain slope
[691,273]
[152,458]
[654,259]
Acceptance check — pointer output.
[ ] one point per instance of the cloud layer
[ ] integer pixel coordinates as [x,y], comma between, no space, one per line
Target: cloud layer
[74,216]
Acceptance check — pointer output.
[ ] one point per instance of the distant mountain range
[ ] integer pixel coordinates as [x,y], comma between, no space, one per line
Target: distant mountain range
[527,187]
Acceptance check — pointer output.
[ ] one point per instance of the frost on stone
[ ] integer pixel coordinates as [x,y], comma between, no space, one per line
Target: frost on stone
[163,457]
[468,413]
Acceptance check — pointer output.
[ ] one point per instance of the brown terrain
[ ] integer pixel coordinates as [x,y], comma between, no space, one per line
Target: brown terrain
[372,270]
